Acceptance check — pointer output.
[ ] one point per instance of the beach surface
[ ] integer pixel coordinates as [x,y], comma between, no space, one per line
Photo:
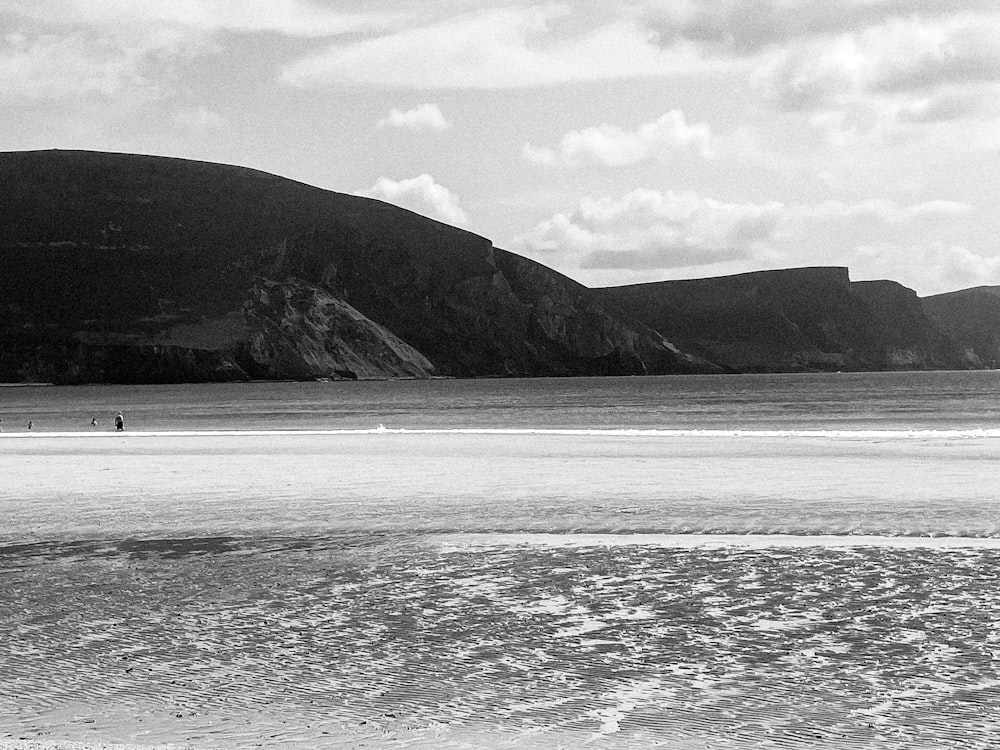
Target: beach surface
[200,484]
[517,589]
[57,745]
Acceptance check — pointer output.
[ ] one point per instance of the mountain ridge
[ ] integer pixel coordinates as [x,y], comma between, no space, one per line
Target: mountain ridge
[102,252]
[132,268]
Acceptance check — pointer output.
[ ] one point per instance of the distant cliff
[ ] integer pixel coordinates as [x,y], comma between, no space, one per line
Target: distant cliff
[124,268]
[792,320]
[972,318]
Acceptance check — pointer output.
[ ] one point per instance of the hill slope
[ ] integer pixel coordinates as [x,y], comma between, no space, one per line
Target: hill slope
[972,318]
[125,268]
[789,320]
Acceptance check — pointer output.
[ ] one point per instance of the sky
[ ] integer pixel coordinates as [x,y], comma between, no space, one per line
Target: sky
[617,143]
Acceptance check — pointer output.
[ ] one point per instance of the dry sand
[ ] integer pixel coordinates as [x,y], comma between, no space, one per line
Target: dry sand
[225,483]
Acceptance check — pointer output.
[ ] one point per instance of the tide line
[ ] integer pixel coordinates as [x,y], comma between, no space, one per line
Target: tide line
[860,434]
[458,542]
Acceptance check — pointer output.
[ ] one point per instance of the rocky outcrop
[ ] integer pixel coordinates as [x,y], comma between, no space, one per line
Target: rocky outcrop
[792,320]
[296,330]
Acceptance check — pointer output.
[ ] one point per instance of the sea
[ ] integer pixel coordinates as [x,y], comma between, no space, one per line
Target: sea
[739,561]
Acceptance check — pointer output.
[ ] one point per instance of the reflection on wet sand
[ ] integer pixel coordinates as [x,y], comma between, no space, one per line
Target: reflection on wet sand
[426,641]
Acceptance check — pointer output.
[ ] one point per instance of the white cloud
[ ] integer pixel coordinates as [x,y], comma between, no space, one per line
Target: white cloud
[509,47]
[930,268]
[610,146]
[288,17]
[75,49]
[422,195]
[198,119]
[57,67]
[422,117]
[883,210]
[905,72]
[649,229]
[747,27]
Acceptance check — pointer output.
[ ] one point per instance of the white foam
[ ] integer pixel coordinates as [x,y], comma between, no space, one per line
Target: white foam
[459,542]
[869,434]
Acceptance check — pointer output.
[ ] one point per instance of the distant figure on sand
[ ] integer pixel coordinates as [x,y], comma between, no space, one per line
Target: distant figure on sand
[30,424]
[93,422]
[119,422]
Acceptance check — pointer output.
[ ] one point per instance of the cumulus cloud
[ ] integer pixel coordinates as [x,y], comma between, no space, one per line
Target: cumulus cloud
[912,55]
[610,146]
[650,229]
[510,47]
[904,72]
[422,195]
[930,268]
[422,117]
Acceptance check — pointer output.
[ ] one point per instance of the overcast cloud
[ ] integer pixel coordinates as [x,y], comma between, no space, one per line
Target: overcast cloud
[616,142]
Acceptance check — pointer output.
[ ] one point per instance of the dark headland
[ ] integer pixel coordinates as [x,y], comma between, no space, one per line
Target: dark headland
[139,269]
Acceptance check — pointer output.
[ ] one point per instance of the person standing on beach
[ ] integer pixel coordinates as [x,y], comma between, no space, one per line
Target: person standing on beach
[119,422]
[30,424]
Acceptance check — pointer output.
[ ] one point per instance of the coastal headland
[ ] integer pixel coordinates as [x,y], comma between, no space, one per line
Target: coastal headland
[122,268]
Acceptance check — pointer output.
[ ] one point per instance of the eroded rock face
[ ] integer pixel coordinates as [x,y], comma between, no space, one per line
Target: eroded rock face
[599,339]
[792,320]
[297,330]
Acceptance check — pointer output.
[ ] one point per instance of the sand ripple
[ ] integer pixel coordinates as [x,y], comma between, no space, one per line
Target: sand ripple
[328,642]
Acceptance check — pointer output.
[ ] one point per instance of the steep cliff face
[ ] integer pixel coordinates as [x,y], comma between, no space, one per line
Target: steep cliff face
[905,336]
[972,318]
[595,337]
[123,251]
[795,319]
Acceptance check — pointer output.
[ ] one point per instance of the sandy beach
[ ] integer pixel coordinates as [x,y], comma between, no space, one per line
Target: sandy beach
[60,745]
[188,483]
[474,590]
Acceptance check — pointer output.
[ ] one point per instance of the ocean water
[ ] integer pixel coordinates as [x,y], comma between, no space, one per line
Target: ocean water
[851,401]
[774,561]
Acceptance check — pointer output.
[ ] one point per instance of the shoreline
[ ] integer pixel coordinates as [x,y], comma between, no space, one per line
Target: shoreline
[861,433]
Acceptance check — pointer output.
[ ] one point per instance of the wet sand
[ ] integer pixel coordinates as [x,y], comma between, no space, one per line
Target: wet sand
[203,484]
[349,640]
[57,745]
